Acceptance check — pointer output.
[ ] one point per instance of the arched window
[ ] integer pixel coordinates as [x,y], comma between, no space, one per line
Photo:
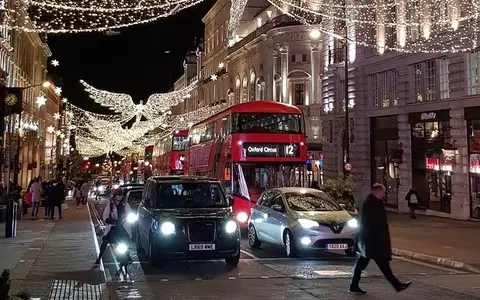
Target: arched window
[245,89]
[252,85]
[260,89]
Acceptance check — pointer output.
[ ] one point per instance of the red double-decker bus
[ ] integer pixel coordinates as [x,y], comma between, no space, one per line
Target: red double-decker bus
[169,154]
[250,147]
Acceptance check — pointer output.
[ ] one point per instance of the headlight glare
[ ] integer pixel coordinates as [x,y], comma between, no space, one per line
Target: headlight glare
[306,223]
[122,248]
[242,217]
[231,226]
[116,186]
[100,188]
[353,223]
[132,217]
[167,228]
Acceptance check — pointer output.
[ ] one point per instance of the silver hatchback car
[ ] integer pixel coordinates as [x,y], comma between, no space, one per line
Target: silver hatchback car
[301,219]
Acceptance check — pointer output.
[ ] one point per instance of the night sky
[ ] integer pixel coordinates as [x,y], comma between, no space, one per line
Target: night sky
[134,62]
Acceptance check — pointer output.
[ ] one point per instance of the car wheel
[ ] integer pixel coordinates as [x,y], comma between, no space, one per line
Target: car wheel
[350,253]
[290,246]
[252,237]
[155,260]
[233,260]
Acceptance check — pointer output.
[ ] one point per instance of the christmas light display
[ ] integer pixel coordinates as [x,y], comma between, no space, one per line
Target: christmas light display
[60,16]
[155,106]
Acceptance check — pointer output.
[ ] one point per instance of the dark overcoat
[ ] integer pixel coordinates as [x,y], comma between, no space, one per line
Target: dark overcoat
[373,240]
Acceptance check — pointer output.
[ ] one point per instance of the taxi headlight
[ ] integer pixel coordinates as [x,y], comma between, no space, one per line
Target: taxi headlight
[122,248]
[242,217]
[353,223]
[101,188]
[307,224]
[115,186]
[95,189]
[167,228]
[132,217]
[231,226]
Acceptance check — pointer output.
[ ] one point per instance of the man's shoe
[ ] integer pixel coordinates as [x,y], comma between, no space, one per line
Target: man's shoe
[403,286]
[356,290]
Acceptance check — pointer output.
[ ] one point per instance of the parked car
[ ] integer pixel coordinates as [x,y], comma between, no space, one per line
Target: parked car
[187,217]
[301,219]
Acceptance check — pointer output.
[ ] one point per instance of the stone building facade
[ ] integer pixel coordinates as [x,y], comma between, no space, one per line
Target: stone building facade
[23,56]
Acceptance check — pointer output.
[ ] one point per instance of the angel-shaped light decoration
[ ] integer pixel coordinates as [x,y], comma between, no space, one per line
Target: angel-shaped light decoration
[122,104]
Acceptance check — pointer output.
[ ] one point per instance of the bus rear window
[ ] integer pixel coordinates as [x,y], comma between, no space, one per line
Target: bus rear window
[267,123]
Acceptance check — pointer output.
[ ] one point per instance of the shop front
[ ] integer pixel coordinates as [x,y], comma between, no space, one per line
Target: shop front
[314,164]
[472,116]
[433,157]
[386,156]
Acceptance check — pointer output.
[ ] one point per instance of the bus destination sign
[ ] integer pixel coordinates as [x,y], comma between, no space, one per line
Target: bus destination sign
[270,150]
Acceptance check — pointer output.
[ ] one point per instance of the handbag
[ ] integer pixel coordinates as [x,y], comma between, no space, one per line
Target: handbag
[28,198]
[64,206]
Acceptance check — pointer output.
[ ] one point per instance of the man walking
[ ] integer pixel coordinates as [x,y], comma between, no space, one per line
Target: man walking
[84,191]
[373,241]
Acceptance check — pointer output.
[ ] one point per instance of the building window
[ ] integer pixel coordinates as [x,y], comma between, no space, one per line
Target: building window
[293,58]
[425,79]
[328,132]
[474,72]
[299,93]
[383,89]
[444,80]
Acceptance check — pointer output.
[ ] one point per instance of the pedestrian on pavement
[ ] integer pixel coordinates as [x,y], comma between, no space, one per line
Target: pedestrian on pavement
[58,194]
[84,190]
[47,192]
[373,241]
[113,215]
[98,184]
[77,194]
[36,191]
[412,199]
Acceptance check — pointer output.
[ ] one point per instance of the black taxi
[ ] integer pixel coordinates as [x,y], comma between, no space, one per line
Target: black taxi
[187,217]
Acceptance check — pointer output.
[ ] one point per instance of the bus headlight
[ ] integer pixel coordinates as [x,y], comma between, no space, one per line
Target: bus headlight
[132,217]
[122,248]
[167,228]
[242,217]
[231,226]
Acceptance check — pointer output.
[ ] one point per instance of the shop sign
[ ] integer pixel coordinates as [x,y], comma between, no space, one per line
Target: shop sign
[420,117]
[448,157]
[271,150]
[432,163]
[428,116]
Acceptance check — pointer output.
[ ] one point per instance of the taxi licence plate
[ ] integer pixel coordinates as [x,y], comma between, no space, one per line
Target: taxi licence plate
[201,247]
[337,246]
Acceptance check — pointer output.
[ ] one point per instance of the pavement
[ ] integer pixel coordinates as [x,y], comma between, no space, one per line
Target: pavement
[54,260]
[446,242]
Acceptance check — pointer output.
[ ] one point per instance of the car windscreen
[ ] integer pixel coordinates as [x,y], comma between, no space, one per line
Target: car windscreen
[190,195]
[311,202]
[134,198]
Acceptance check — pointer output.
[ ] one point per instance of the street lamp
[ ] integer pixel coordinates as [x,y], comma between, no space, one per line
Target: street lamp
[314,34]
[346,136]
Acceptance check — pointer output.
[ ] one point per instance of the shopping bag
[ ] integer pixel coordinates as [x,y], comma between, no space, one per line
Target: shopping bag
[64,205]
[28,198]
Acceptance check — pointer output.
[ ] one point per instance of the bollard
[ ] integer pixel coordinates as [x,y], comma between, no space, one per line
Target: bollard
[11,220]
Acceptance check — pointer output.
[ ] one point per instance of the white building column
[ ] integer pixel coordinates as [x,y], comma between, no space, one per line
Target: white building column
[274,72]
[284,70]
[315,64]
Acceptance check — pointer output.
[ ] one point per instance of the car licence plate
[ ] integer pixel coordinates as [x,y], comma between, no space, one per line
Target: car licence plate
[202,247]
[337,246]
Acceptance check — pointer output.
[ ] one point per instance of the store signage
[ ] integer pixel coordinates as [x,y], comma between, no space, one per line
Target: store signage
[448,157]
[271,150]
[428,116]
[432,163]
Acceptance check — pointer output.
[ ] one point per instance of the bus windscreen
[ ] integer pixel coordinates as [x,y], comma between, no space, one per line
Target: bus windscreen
[267,123]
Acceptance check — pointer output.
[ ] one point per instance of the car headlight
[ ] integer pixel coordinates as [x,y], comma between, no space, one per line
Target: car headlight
[167,228]
[122,248]
[95,189]
[306,223]
[101,188]
[242,217]
[353,223]
[231,226]
[132,217]
[116,186]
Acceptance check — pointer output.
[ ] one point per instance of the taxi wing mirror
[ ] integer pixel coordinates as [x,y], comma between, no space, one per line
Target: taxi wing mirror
[343,205]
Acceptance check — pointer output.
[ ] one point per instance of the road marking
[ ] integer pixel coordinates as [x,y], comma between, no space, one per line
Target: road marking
[35,249]
[198,278]
[106,273]
[249,254]
[332,273]
[264,277]
[232,278]
[451,271]
[164,279]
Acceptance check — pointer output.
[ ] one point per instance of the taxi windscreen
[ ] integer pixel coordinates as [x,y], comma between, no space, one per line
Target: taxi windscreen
[190,195]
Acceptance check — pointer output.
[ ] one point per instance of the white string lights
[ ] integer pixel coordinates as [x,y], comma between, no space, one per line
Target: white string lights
[122,104]
[412,26]
[67,16]
[187,120]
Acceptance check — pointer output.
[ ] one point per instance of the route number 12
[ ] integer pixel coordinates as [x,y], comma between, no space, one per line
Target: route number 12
[289,150]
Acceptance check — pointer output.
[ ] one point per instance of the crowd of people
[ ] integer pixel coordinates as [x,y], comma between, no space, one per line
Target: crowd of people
[51,192]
